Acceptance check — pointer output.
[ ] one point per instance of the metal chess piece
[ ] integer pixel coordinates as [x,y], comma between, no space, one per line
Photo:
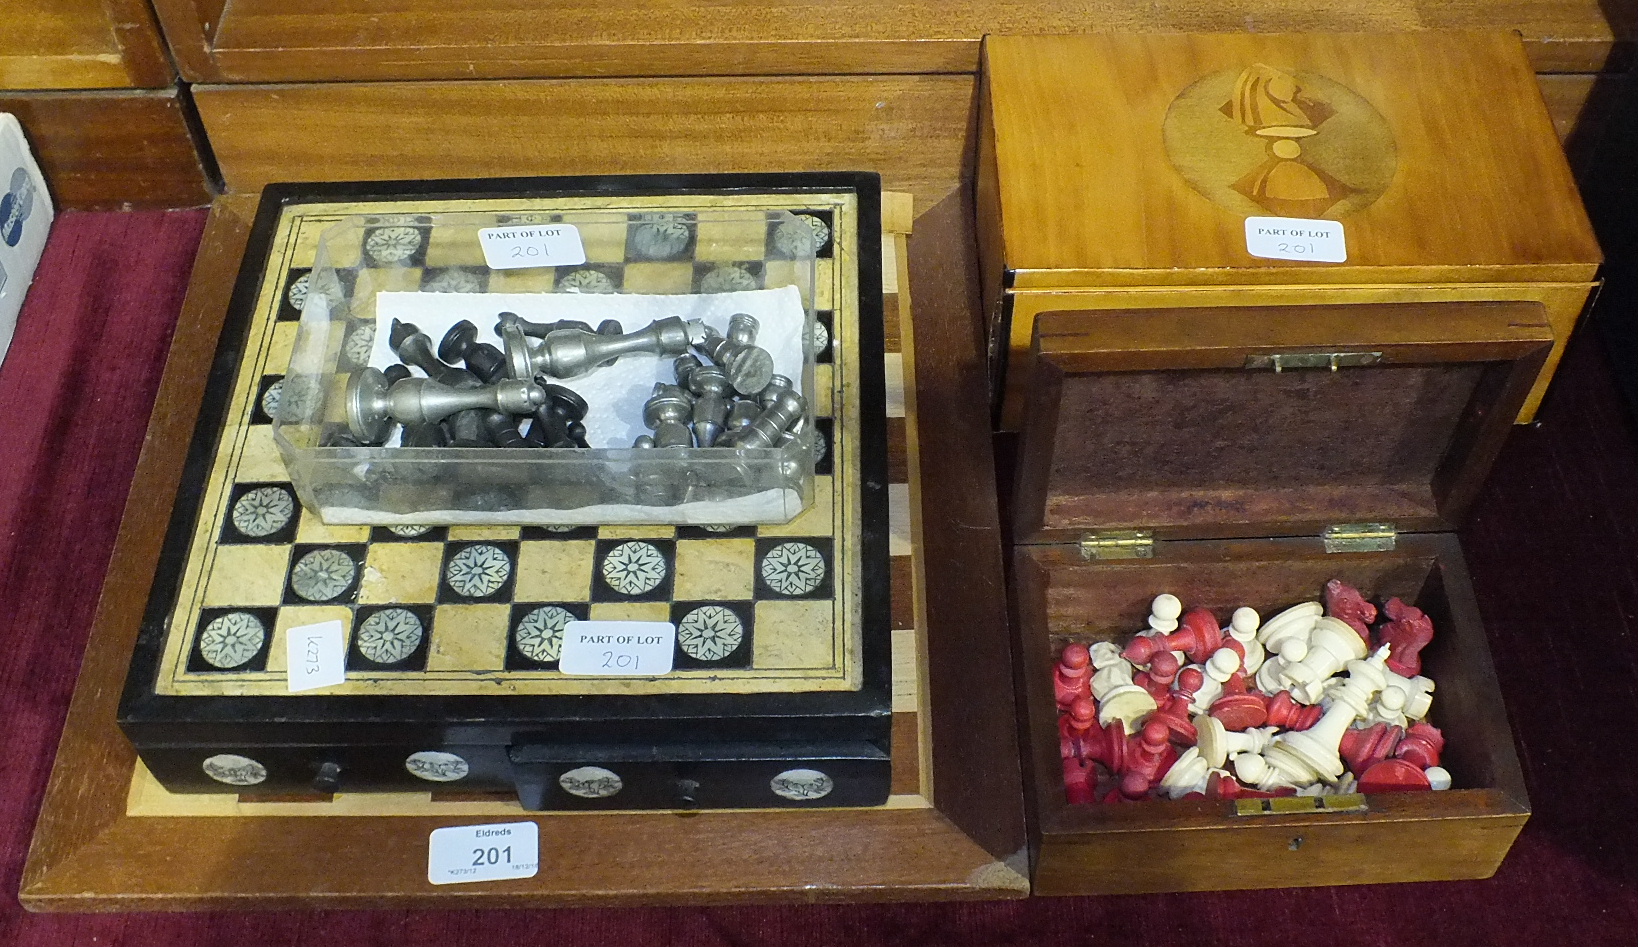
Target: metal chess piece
[502,429]
[537,330]
[415,348]
[465,429]
[568,353]
[460,344]
[372,405]
[709,384]
[557,421]
[748,366]
[684,366]
[740,415]
[788,406]
[742,327]
[776,385]
[667,414]
[423,435]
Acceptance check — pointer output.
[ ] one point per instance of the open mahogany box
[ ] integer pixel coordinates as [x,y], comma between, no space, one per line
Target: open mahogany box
[1236,437]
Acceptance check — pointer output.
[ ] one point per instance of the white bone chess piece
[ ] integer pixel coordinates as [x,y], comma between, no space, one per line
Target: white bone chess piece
[1303,755]
[1438,777]
[1164,612]
[1291,651]
[1218,744]
[1187,775]
[1253,770]
[1243,625]
[1110,670]
[1389,708]
[1297,620]
[1217,670]
[1418,693]
[1331,645]
[1118,698]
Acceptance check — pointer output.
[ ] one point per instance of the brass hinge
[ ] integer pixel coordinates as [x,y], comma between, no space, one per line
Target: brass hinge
[1281,361]
[1359,537]
[1298,805]
[1119,544]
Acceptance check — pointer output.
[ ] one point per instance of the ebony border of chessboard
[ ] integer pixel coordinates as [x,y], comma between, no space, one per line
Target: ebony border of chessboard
[150,719]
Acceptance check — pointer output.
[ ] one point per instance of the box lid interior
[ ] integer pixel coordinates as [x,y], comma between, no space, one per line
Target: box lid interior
[1177,421]
[1137,158]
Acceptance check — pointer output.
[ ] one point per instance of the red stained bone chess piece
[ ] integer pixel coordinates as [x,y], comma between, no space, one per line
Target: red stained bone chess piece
[1219,786]
[1393,776]
[1106,745]
[1286,713]
[1174,716]
[1421,745]
[1163,669]
[1406,633]
[1073,678]
[1077,728]
[1364,747]
[1198,635]
[1239,709]
[1147,759]
[1344,601]
[1080,782]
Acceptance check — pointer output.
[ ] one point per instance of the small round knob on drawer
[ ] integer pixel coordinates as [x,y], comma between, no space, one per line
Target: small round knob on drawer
[686,793]
[328,778]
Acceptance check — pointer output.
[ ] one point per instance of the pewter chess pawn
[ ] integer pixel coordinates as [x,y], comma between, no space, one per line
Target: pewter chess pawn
[667,414]
[460,344]
[683,366]
[568,353]
[742,328]
[740,415]
[748,366]
[776,384]
[786,408]
[372,405]
[415,348]
[709,384]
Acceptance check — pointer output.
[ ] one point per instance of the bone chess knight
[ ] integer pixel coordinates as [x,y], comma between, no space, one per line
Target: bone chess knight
[453,633]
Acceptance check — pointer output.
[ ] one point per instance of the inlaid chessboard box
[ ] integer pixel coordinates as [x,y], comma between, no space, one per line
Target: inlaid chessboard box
[1118,172]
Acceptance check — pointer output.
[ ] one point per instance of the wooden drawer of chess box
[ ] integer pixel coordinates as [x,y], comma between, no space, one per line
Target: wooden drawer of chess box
[1119,172]
[1247,459]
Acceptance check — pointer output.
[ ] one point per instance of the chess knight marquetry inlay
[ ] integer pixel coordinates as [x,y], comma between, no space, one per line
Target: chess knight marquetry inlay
[1262,140]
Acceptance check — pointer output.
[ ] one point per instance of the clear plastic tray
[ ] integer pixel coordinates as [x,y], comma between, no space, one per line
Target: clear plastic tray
[370,268]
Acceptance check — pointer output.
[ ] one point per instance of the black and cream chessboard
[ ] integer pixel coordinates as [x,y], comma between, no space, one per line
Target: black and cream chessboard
[779,694]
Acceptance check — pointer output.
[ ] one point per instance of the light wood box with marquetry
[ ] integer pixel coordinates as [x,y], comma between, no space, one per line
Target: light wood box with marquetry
[1118,171]
[1210,454]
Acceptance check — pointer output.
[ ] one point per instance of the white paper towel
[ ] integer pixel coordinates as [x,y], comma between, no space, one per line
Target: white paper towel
[615,393]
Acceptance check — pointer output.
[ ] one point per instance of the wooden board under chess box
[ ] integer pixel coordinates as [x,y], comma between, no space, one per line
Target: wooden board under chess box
[1212,456]
[1119,171]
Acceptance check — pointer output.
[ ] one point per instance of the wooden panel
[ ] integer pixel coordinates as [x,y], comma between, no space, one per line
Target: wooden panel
[293,40]
[1174,178]
[112,149]
[80,44]
[914,129]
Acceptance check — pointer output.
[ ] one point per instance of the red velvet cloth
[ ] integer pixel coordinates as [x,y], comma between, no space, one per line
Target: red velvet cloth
[1553,546]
